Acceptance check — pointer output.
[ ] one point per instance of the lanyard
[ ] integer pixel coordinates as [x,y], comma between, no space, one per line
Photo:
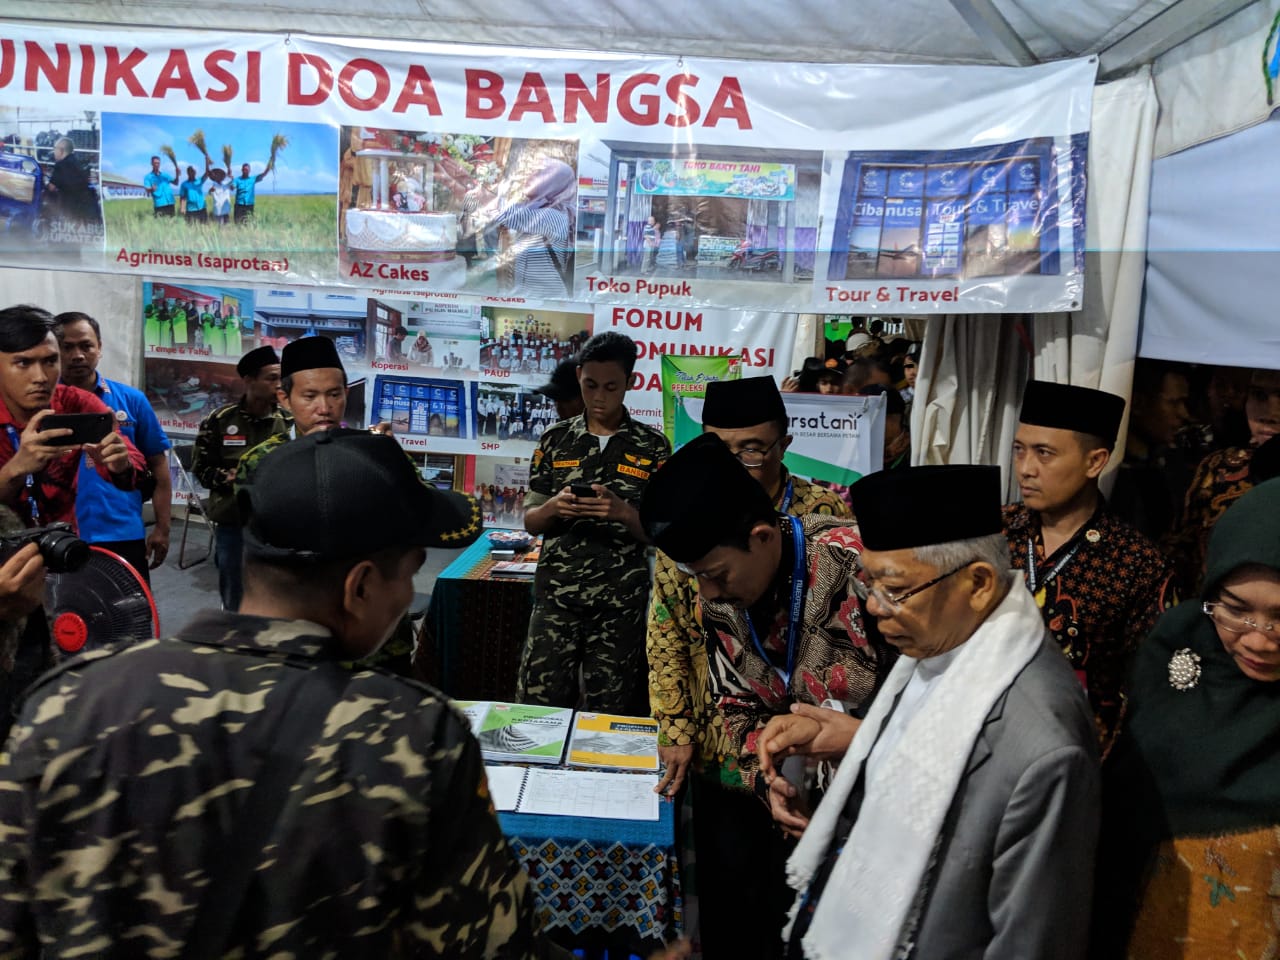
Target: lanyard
[787,492]
[15,440]
[1057,567]
[793,615]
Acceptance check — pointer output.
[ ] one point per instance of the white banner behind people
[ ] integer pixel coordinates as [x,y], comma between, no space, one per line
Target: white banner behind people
[834,439]
[763,341]
[524,175]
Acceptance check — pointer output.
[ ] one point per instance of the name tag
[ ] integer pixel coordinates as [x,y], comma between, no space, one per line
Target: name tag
[564,463]
[233,441]
[633,471]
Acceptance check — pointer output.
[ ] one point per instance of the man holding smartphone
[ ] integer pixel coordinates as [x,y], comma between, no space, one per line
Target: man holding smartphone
[39,466]
[592,581]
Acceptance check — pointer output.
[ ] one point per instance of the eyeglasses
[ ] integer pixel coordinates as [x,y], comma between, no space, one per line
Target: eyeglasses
[702,576]
[754,456]
[894,603]
[1234,623]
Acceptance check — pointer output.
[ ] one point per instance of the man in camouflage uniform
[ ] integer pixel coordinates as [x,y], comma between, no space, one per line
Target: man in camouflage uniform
[313,390]
[131,767]
[593,577]
[778,604]
[224,437]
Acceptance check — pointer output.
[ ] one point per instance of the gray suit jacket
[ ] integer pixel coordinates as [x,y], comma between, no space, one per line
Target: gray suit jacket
[1014,874]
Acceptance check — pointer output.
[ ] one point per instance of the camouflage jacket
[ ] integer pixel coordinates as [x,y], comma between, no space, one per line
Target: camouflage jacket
[129,765]
[225,436]
[834,659]
[679,687]
[248,464]
[594,562]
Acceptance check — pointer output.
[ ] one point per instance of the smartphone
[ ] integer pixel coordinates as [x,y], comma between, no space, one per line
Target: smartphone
[581,490]
[85,427]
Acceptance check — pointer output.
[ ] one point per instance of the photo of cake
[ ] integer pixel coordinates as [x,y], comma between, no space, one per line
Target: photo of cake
[395,236]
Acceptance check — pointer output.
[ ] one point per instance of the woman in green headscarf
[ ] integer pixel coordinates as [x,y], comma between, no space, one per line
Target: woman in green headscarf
[1189,858]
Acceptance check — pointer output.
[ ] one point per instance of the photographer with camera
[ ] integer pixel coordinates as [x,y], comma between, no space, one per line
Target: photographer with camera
[39,464]
[24,640]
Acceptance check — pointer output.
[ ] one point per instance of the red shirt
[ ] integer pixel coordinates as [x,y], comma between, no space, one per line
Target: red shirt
[54,487]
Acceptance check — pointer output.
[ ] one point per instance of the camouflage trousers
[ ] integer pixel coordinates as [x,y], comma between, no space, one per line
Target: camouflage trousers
[605,643]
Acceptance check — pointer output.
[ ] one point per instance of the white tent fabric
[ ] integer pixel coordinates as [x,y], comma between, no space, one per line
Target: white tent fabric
[795,30]
[114,301]
[1212,284]
[1211,85]
[973,368]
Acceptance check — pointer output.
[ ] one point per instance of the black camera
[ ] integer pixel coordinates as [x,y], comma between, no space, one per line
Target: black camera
[62,550]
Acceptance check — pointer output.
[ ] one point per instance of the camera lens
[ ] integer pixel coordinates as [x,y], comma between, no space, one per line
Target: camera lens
[63,551]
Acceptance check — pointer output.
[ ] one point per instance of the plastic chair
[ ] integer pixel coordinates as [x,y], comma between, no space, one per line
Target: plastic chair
[186,488]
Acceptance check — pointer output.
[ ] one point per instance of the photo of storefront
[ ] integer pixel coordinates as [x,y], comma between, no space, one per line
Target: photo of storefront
[717,213]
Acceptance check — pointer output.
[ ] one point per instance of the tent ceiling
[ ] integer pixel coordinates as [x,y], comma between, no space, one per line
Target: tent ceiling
[919,31]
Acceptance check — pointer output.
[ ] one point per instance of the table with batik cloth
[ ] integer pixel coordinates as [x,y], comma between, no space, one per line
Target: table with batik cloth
[475,628]
[602,883]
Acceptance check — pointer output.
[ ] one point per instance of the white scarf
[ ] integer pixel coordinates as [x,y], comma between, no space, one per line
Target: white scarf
[874,883]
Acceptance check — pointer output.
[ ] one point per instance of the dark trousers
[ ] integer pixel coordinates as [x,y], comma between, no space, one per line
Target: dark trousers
[740,873]
[243,212]
[228,550]
[165,211]
[132,552]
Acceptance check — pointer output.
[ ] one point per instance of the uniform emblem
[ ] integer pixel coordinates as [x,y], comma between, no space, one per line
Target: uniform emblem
[233,430]
[1184,669]
[537,458]
[1093,536]
[633,471]
[121,416]
[638,461]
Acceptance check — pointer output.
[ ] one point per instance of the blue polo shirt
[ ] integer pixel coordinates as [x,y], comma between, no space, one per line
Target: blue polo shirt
[193,193]
[103,512]
[163,196]
[246,187]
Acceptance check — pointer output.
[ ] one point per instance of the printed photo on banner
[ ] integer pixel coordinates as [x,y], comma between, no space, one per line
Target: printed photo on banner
[181,319]
[285,314]
[427,338]
[183,391]
[500,486]
[433,210]
[510,418]
[683,224]
[248,198]
[910,229]
[425,410]
[51,184]
[528,344]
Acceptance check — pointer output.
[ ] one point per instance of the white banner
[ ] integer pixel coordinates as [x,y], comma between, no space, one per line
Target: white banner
[544,175]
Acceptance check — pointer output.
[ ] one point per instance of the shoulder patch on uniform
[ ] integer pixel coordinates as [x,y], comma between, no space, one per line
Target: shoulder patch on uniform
[537,458]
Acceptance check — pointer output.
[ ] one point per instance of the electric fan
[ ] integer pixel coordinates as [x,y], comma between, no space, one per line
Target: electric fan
[103,602]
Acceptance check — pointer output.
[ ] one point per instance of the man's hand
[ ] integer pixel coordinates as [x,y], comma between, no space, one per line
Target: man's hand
[157,546]
[21,583]
[36,448]
[812,731]
[605,505]
[383,427]
[111,453]
[676,760]
[789,809]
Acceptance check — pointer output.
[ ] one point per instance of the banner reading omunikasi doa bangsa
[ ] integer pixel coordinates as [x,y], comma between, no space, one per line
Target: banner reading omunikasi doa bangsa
[512,174]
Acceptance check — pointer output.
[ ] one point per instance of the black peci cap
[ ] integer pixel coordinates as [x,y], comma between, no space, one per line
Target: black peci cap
[309,353]
[733,404]
[340,494]
[921,506]
[563,384]
[252,362]
[699,499]
[1062,406]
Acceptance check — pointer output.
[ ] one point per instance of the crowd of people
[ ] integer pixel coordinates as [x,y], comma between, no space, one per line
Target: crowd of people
[911,721]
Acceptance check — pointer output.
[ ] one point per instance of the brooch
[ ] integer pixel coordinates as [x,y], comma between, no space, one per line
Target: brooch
[1184,669]
[1093,536]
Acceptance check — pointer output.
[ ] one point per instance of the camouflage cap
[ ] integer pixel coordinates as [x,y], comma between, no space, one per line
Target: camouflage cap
[339,494]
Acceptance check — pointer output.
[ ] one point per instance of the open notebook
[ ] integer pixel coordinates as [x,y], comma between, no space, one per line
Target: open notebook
[573,793]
